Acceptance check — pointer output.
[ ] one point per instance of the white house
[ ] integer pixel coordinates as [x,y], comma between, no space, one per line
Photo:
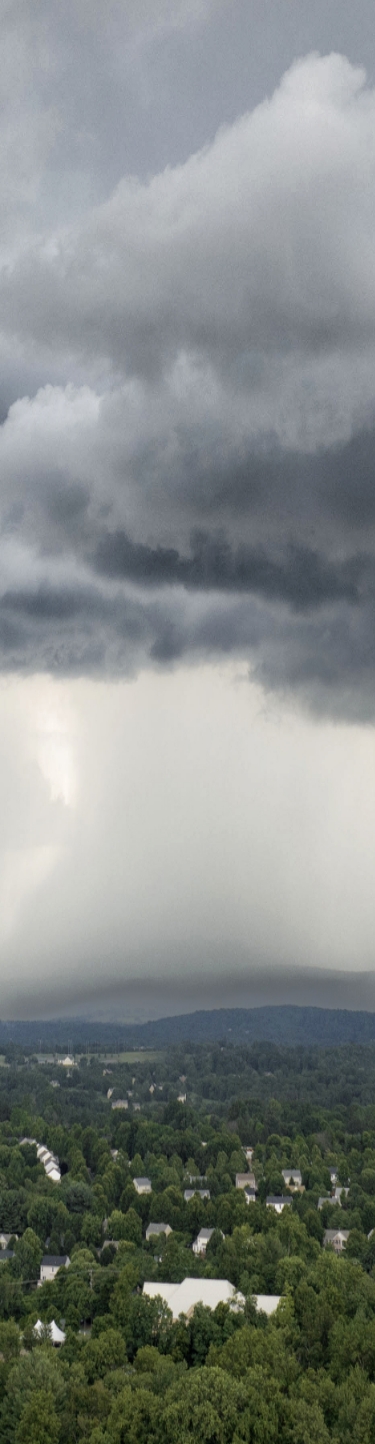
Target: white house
[120,1103]
[250,1195]
[5,1239]
[203,1238]
[181,1098]
[293,1179]
[333,1201]
[336,1238]
[50,1265]
[196,1193]
[49,1160]
[154,1229]
[142,1185]
[249,1153]
[67,1062]
[278,1202]
[53,1172]
[52,1331]
[183,1298]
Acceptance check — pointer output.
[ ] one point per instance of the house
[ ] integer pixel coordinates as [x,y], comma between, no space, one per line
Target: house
[183,1298]
[203,1238]
[333,1201]
[51,1331]
[120,1103]
[154,1229]
[6,1254]
[245,1180]
[335,1238]
[136,1107]
[50,1265]
[109,1092]
[249,1195]
[278,1202]
[67,1062]
[337,1193]
[54,1083]
[249,1153]
[142,1185]
[195,1193]
[293,1179]
[181,1098]
[5,1239]
[196,1177]
[267,1303]
[49,1160]
[53,1172]
[333,1172]
[152,1088]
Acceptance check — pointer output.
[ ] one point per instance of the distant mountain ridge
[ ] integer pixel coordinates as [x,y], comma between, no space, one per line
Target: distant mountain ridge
[286,1024]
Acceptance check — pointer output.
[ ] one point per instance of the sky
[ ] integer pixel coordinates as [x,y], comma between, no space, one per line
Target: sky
[187,501]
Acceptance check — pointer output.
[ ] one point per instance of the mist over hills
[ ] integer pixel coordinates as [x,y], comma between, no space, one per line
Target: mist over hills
[286,1024]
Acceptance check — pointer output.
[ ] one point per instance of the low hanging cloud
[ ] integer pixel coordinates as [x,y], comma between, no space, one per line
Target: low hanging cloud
[201,480]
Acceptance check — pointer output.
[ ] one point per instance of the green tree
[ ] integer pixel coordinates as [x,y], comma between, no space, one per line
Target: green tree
[38,1423]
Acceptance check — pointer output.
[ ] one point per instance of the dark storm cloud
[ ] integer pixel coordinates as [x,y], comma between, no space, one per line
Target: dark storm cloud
[302,578]
[197,478]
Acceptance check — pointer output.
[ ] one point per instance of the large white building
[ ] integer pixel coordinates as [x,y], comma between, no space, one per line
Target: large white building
[267,1303]
[183,1298]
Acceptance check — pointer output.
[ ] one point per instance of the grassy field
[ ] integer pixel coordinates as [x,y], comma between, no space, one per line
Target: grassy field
[145,1055]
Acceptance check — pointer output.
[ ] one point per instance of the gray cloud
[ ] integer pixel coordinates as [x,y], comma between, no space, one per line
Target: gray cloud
[196,477]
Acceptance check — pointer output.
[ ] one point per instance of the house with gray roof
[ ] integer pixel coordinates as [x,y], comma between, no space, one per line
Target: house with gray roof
[335,1238]
[155,1229]
[278,1202]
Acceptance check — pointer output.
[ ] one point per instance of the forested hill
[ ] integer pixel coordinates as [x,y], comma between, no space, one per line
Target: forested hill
[284,1025]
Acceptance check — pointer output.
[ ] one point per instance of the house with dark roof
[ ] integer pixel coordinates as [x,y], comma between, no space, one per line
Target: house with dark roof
[278,1202]
[50,1265]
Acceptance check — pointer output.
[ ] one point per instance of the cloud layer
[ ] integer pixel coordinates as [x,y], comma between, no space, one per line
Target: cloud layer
[195,477]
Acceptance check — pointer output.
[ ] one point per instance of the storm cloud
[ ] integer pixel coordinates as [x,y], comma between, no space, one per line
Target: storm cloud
[195,477]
